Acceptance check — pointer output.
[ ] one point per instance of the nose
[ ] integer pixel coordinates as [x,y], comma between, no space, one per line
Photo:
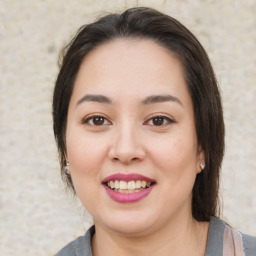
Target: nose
[126,146]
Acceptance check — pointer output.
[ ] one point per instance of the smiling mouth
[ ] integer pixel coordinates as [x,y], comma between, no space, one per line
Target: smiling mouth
[127,187]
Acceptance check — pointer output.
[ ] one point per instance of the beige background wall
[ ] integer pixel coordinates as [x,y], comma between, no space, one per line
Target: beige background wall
[37,216]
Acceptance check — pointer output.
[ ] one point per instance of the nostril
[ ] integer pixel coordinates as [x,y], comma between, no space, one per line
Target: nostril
[130,161]
[125,161]
[126,153]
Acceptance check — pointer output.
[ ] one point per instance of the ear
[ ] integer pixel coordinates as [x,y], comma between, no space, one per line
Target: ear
[66,157]
[200,160]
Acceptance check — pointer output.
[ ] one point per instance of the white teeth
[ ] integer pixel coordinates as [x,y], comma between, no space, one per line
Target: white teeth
[123,184]
[131,186]
[138,184]
[112,184]
[117,184]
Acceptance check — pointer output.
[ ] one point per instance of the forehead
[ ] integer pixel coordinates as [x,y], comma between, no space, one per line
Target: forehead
[132,67]
[138,52]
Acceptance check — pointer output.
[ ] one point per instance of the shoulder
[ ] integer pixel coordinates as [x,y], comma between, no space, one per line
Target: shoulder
[249,244]
[224,240]
[80,246]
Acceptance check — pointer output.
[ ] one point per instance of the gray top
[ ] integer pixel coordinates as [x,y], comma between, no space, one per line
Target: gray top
[82,245]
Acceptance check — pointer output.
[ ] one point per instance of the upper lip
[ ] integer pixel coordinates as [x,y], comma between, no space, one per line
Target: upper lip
[127,177]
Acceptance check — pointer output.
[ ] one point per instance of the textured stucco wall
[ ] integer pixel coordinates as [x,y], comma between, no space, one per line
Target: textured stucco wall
[37,216]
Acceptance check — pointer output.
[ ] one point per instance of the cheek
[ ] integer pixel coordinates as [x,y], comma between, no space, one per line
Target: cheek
[85,153]
[175,155]
[176,165]
[175,150]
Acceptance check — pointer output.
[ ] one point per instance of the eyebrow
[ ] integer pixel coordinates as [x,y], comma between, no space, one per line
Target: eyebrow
[159,99]
[148,100]
[94,98]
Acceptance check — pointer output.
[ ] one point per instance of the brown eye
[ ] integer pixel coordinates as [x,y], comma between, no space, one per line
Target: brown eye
[96,121]
[158,121]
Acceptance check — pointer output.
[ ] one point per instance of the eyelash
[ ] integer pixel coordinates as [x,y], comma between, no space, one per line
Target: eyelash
[164,120]
[92,118]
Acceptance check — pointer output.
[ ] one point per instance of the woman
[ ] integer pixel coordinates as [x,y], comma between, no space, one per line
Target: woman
[139,127]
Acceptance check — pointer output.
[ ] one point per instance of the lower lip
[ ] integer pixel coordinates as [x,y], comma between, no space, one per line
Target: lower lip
[130,197]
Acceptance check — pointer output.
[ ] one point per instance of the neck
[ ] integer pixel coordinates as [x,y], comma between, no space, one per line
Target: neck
[187,237]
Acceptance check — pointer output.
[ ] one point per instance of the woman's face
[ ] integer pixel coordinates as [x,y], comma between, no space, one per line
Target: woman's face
[131,138]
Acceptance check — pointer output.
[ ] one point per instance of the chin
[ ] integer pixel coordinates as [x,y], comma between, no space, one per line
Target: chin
[128,224]
[129,229]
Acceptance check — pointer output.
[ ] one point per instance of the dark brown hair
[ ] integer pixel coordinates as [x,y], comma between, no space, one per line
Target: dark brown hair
[146,23]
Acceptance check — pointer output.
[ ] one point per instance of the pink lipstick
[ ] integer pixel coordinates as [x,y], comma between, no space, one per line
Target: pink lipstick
[128,188]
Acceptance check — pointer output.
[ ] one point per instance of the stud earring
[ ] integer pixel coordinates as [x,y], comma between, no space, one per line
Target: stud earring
[67,168]
[202,165]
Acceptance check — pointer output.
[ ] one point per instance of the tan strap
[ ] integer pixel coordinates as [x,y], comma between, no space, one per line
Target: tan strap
[232,244]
